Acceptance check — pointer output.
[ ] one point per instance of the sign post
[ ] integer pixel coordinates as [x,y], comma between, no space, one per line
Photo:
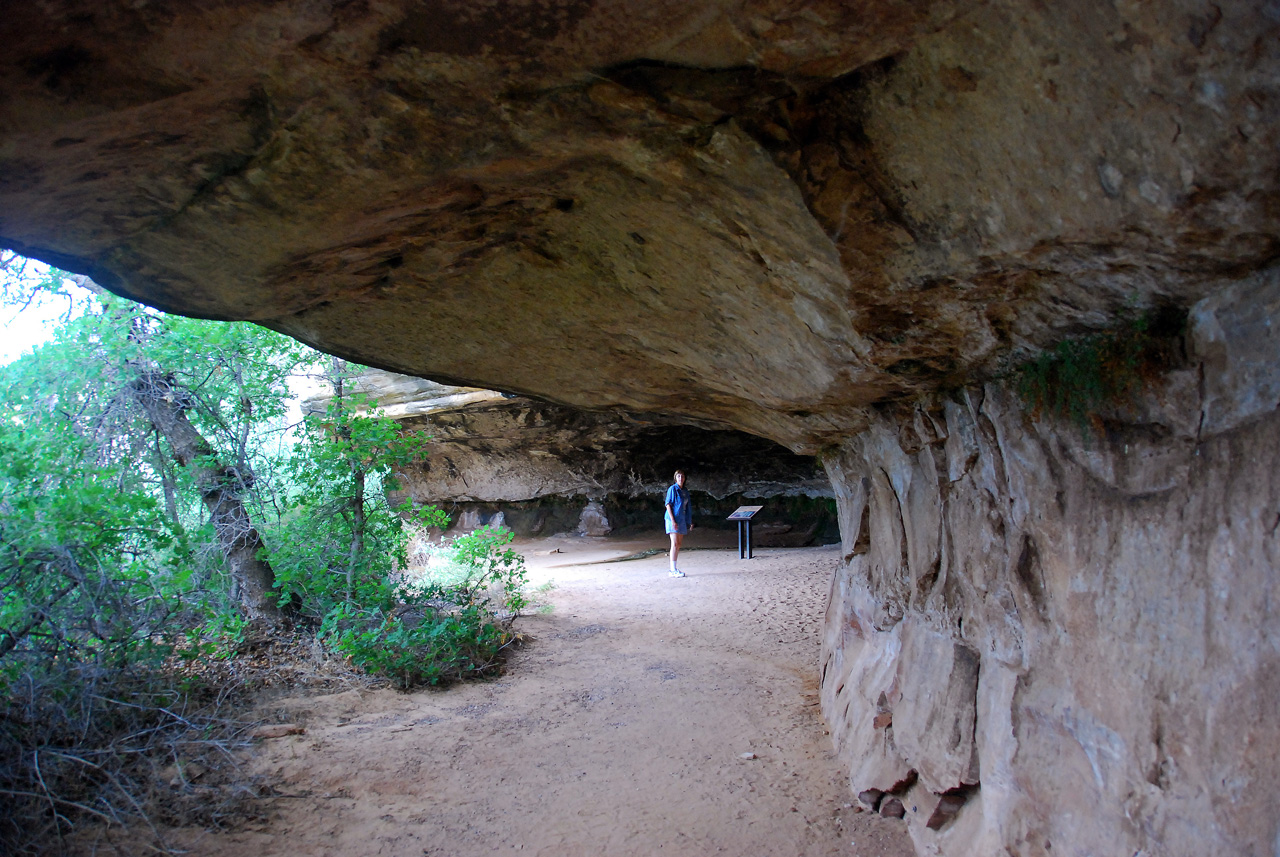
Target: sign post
[743,515]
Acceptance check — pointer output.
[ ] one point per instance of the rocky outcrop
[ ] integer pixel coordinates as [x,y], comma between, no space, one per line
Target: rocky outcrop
[548,468]
[1051,640]
[796,220]
[757,215]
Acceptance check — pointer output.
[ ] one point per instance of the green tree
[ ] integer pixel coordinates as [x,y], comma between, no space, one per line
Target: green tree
[77,537]
[147,484]
[206,389]
[341,541]
[149,391]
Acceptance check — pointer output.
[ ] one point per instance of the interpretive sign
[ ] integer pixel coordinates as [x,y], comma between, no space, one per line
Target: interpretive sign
[742,515]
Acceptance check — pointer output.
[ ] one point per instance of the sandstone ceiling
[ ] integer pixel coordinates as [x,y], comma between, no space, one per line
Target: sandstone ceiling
[763,214]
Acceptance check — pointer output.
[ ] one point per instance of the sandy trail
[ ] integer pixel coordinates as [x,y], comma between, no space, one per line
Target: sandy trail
[619,730]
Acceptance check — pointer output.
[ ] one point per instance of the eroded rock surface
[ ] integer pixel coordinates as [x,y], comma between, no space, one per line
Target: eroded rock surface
[1056,641]
[759,214]
[795,220]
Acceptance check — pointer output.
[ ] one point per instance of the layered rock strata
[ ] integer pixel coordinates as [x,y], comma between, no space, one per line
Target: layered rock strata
[1051,640]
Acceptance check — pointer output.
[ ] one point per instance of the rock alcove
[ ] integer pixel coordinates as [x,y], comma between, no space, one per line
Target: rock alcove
[542,469]
[831,225]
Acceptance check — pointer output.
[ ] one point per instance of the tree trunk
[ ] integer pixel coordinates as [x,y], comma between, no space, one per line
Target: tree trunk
[166,482]
[343,430]
[357,527]
[220,488]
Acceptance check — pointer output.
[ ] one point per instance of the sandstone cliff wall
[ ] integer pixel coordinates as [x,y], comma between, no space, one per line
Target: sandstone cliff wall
[1069,639]
[781,218]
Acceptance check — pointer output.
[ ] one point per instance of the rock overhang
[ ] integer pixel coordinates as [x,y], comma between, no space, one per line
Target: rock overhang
[780,218]
[547,468]
[754,215]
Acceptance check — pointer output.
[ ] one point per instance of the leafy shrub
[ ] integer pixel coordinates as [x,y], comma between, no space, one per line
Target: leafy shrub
[339,542]
[449,623]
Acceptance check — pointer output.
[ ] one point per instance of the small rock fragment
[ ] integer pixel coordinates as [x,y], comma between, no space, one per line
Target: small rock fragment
[747,756]
[892,808]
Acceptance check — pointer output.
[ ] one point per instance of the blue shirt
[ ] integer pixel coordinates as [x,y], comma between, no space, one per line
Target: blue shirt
[681,508]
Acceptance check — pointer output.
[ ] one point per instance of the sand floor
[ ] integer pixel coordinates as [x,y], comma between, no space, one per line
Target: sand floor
[620,728]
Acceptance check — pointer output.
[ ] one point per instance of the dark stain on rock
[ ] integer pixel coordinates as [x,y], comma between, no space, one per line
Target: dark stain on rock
[1134,38]
[756,98]
[892,808]
[1027,570]
[871,798]
[1158,773]
[862,544]
[145,140]
[958,79]
[949,805]
[966,665]
[18,175]
[1202,25]
[57,66]
[925,582]
[919,370]
[886,323]
[81,68]
[466,28]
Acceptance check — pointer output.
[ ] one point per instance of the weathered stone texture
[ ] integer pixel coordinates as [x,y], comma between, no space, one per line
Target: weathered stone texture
[1083,626]
[790,219]
[751,214]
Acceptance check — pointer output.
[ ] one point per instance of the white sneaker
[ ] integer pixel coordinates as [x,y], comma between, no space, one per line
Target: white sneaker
[675,572]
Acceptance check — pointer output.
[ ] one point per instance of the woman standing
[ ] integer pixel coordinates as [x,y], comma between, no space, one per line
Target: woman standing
[679,519]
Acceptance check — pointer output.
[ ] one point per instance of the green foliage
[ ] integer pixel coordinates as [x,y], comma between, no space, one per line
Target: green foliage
[77,547]
[426,646]
[1081,377]
[481,568]
[111,578]
[89,591]
[449,623]
[340,541]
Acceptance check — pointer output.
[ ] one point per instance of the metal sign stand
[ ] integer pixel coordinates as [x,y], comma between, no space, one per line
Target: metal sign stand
[743,515]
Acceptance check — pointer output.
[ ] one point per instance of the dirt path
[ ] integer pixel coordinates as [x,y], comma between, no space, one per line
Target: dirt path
[619,730]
